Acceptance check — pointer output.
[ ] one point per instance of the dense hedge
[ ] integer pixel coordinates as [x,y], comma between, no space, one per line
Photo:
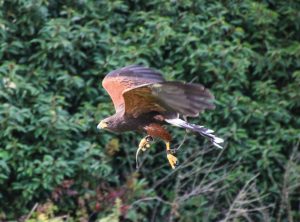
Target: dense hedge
[53,161]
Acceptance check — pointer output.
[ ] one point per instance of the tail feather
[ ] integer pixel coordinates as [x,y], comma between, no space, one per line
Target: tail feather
[216,141]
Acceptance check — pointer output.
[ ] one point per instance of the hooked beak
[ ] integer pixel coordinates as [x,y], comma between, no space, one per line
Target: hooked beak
[102,125]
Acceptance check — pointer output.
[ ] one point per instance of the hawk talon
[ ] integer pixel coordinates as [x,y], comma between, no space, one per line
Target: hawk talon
[173,151]
[172,160]
[145,143]
[149,139]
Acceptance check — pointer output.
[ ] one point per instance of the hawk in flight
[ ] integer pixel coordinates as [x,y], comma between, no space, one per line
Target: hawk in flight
[144,102]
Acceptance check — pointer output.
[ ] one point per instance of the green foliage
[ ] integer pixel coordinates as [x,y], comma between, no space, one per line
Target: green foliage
[53,56]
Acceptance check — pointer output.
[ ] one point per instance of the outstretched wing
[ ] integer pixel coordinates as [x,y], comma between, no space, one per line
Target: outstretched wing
[126,78]
[186,99]
[137,90]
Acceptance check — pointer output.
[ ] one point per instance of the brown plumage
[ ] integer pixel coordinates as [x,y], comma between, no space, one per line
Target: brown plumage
[144,101]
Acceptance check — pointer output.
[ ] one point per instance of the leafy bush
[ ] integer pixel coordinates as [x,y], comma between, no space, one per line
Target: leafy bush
[55,164]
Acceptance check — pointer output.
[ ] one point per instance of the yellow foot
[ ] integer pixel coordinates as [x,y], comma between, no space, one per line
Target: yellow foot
[172,160]
[145,143]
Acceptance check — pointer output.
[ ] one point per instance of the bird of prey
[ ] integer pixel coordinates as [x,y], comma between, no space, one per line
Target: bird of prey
[144,101]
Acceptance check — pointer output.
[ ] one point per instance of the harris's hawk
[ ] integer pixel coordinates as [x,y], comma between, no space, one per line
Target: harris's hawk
[144,102]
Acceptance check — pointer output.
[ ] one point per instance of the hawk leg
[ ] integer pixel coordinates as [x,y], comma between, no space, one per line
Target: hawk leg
[156,130]
[172,159]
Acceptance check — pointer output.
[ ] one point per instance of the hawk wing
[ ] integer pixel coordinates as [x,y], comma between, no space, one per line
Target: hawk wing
[126,78]
[186,99]
[137,90]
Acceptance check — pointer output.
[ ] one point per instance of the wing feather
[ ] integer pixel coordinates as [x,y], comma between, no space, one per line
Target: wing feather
[126,78]
[136,90]
[168,97]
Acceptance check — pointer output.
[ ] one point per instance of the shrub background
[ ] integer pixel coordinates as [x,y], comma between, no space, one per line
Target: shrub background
[53,161]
